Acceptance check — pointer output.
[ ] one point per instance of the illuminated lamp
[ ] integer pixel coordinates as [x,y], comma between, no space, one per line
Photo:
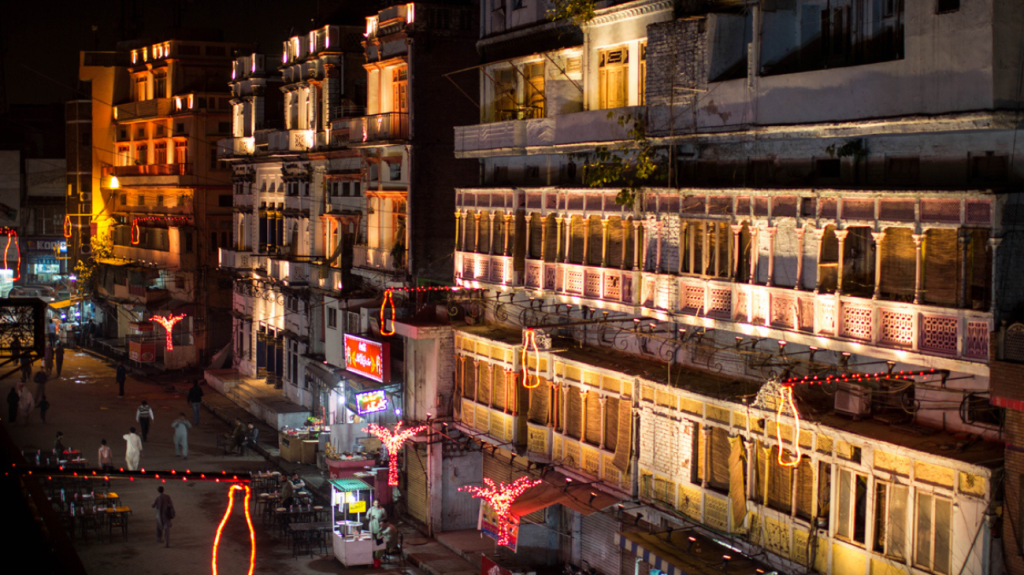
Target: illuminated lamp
[115,184]
[12,235]
[530,340]
[67,227]
[168,323]
[500,498]
[383,306]
[135,231]
[393,442]
[786,397]
[248,522]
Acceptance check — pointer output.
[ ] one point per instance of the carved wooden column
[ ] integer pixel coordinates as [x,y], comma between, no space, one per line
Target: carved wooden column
[490,233]
[625,243]
[799,259]
[841,238]
[918,267]
[879,237]
[476,232]
[816,235]
[543,240]
[603,399]
[568,239]
[529,232]
[565,408]
[753,254]
[458,220]
[705,253]
[558,238]
[604,241]
[771,254]
[583,415]
[508,220]
[586,241]
[736,231]
[637,245]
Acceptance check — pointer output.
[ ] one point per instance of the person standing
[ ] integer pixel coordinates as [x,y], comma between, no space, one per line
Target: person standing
[237,436]
[143,415]
[164,514]
[25,402]
[287,493]
[58,355]
[195,397]
[51,331]
[58,445]
[43,407]
[181,427]
[48,360]
[106,460]
[134,452]
[377,516]
[12,404]
[26,366]
[122,374]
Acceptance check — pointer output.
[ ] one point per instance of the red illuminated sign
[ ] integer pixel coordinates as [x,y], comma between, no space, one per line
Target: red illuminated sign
[369,358]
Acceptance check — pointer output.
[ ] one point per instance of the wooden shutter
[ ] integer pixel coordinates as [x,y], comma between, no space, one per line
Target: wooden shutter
[416,481]
[780,483]
[611,425]
[500,390]
[805,489]
[593,407]
[898,266]
[719,476]
[574,423]
[483,383]
[540,402]
[469,383]
[941,267]
[624,442]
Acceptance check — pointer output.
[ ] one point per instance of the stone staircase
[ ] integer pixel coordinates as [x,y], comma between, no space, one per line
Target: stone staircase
[263,401]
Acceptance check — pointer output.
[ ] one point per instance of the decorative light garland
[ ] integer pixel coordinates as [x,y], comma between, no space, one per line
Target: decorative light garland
[856,377]
[383,306]
[248,522]
[500,498]
[393,442]
[530,339]
[786,397]
[135,232]
[168,323]
[178,220]
[12,234]
[67,227]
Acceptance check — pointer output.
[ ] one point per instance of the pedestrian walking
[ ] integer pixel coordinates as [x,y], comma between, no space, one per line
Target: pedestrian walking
[25,402]
[43,407]
[12,404]
[48,360]
[195,397]
[181,427]
[164,514]
[26,367]
[134,452]
[144,414]
[58,355]
[106,461]
[122,374]
[51,332]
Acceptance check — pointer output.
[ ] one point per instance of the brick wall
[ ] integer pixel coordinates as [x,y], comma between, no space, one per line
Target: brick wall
[676,59]
[1012,524]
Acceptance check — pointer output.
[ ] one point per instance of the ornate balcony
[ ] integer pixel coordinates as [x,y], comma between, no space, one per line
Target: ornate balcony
[142,110]
[229,147]
[387,127]
[377,259]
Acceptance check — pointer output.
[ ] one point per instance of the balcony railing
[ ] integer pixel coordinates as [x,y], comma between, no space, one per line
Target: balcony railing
[931,330]
[141,110]
[147,294]
[289,140]
[290,272]
[163,259]
[229,147]
[376,258]
[239,260]
[385,127]
[149,170]
[578,127]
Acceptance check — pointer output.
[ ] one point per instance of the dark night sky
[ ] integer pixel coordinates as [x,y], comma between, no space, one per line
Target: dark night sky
[41,40]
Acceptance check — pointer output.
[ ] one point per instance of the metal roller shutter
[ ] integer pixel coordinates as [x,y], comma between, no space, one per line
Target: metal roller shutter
[416,481]
[598,545]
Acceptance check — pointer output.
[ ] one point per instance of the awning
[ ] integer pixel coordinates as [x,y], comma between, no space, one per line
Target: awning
[321,374]
[351,484]
[688,553]
[64,303]
[583,498]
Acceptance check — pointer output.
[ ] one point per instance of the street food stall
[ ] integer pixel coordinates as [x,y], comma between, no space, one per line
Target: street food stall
[299,445]
[350,499]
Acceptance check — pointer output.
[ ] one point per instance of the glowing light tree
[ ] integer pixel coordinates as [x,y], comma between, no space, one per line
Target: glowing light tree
[168,323]
[248,522]
[393,442]
[500,498]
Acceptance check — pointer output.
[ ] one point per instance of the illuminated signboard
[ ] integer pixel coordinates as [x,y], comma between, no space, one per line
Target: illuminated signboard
[369,358]
[371,401]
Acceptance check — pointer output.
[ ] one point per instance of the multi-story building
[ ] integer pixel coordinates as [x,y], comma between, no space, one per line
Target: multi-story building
[77,230]
[44,246]
[740,267]
[166,199]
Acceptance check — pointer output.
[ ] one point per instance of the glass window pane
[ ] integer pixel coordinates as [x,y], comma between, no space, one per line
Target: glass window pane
[896,535]
[860,509]
[881,490]
[943,534]
[922,554]
[845,495]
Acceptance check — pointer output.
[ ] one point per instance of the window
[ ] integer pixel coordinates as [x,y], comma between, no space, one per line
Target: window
[396,171]
[890,520]
[944,6]
[642,76]
[505,104]
[852,506]
[142,200]
[534,90]
[159,200]
[332,318]
[124,199]
[934,533]
[160,85]
[612,79]
[698,237]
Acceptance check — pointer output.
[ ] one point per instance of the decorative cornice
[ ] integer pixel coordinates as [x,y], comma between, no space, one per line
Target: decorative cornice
[628,11]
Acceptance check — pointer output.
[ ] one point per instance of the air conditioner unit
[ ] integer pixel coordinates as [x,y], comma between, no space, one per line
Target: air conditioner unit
[853,400]
[85,196]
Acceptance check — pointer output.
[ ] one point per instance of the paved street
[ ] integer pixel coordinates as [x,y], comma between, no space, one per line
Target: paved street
[85,407]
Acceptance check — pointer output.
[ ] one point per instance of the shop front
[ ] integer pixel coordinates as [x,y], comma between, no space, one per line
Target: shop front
[45,261]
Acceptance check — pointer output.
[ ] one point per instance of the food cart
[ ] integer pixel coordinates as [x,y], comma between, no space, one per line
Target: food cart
[350,499]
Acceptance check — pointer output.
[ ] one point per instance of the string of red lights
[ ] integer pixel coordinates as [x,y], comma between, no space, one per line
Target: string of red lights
[12,234]
[393,441]
[500,498]
[168,323]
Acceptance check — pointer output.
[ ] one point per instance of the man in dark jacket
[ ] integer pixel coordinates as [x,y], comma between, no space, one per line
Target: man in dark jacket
[122,374]
[58,356]
[195,397]
[164,514]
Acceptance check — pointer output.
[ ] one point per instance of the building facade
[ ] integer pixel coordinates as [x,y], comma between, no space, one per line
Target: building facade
[165,201]
[736,264]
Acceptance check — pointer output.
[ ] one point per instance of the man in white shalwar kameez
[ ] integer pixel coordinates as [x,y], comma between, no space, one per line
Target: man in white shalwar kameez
[131,457]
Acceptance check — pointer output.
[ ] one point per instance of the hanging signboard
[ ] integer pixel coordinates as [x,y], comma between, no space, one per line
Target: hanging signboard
[487,523]
[368,358]
[371,401]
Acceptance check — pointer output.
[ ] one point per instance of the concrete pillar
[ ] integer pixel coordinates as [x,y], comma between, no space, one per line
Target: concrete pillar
[637,246]
[815,237]
[583,414]
[558,239]
[918,266]
[490,233]
[544,239]
[625,243]
[879,237]
[508,218]
[771,254]
[753,254]
[736,231]
[476,232]
[529,232]
[841,238]
[565,406]
[458,229]
[603,399]
[586,241]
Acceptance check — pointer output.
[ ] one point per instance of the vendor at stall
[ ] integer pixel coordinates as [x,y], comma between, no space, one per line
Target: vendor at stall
[377,516]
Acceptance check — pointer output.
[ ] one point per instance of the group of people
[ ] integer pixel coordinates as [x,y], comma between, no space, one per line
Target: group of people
[20,401]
